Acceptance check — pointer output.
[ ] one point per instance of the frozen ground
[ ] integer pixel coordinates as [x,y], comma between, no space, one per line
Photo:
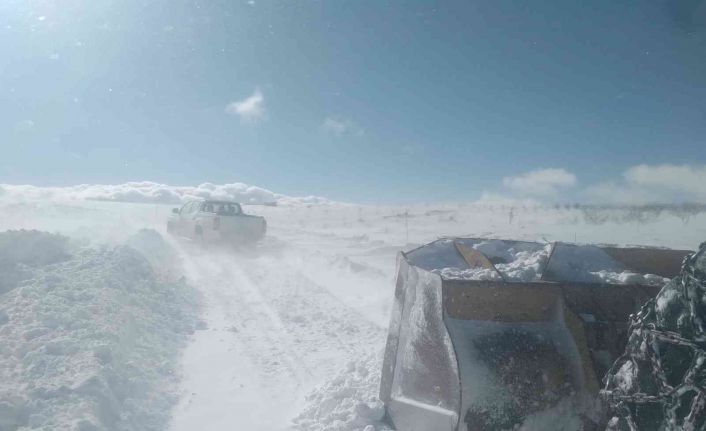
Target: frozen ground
[285,336]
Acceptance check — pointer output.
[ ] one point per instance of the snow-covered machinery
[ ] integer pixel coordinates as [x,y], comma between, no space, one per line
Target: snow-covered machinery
[489,334]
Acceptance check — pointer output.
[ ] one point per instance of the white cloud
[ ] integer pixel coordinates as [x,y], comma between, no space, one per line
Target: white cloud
[542,182]
[653,184]
[250,109]
[681,178]
[341,127]
[614,193]
[150,192]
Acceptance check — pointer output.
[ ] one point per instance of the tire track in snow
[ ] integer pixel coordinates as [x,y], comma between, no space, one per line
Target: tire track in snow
[328,333]
[231,380]
[281,329]
[262,328]
[248,317]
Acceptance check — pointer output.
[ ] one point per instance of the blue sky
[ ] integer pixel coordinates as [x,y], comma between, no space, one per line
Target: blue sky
[355,100]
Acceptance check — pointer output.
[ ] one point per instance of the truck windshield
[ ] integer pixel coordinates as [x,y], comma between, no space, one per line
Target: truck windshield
[223,208]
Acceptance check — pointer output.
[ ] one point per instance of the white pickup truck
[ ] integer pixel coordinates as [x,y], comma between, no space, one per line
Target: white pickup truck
[216,221]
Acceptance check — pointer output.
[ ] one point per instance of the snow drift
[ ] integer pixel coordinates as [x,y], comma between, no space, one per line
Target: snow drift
[89,337]
[348,402]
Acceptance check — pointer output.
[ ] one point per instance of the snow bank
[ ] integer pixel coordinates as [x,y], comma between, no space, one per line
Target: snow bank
[163,258]
[22,250]
[90,339]
[150,192]
[349,402]
[31,247]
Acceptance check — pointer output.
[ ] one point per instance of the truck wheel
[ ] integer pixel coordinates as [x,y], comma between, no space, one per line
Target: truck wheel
[198,233]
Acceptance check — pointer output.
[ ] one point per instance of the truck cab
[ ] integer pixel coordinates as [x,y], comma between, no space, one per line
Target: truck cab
[216,221]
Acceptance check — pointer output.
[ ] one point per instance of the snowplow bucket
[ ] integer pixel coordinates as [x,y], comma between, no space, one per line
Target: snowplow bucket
[479,342]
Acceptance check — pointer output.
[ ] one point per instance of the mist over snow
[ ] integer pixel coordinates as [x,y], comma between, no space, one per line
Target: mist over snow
[151,192]
[653,183]
[665,184]
[115,325]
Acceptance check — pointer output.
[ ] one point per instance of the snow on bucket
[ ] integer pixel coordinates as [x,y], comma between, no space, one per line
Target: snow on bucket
[494,334]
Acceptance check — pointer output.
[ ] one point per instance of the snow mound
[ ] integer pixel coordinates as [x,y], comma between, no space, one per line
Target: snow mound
[349,402]
[160,254]
[151,192]
[527,262]
[32,247]
[468,274]
[20,250]
[90,342]
[521,263]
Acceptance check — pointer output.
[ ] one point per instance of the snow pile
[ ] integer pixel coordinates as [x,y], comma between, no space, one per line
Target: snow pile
[163,258]
[525,265]
[526,262]
[349,402]
[32,247]
[89,342]
[21,250]
[592,264]
[521,262]
[485,274]
[151,192]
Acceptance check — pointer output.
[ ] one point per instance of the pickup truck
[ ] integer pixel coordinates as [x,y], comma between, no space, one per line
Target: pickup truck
[216,221]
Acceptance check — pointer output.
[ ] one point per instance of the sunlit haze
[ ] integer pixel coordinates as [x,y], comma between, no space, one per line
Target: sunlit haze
[358,100]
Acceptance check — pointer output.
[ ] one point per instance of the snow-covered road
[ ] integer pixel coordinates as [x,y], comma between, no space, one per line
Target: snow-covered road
[290,334]
[271,335]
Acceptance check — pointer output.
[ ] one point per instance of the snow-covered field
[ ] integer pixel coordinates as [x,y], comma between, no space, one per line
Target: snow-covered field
[117,326]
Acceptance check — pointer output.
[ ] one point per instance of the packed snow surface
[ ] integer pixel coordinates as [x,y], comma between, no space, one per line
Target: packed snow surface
[113,325]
